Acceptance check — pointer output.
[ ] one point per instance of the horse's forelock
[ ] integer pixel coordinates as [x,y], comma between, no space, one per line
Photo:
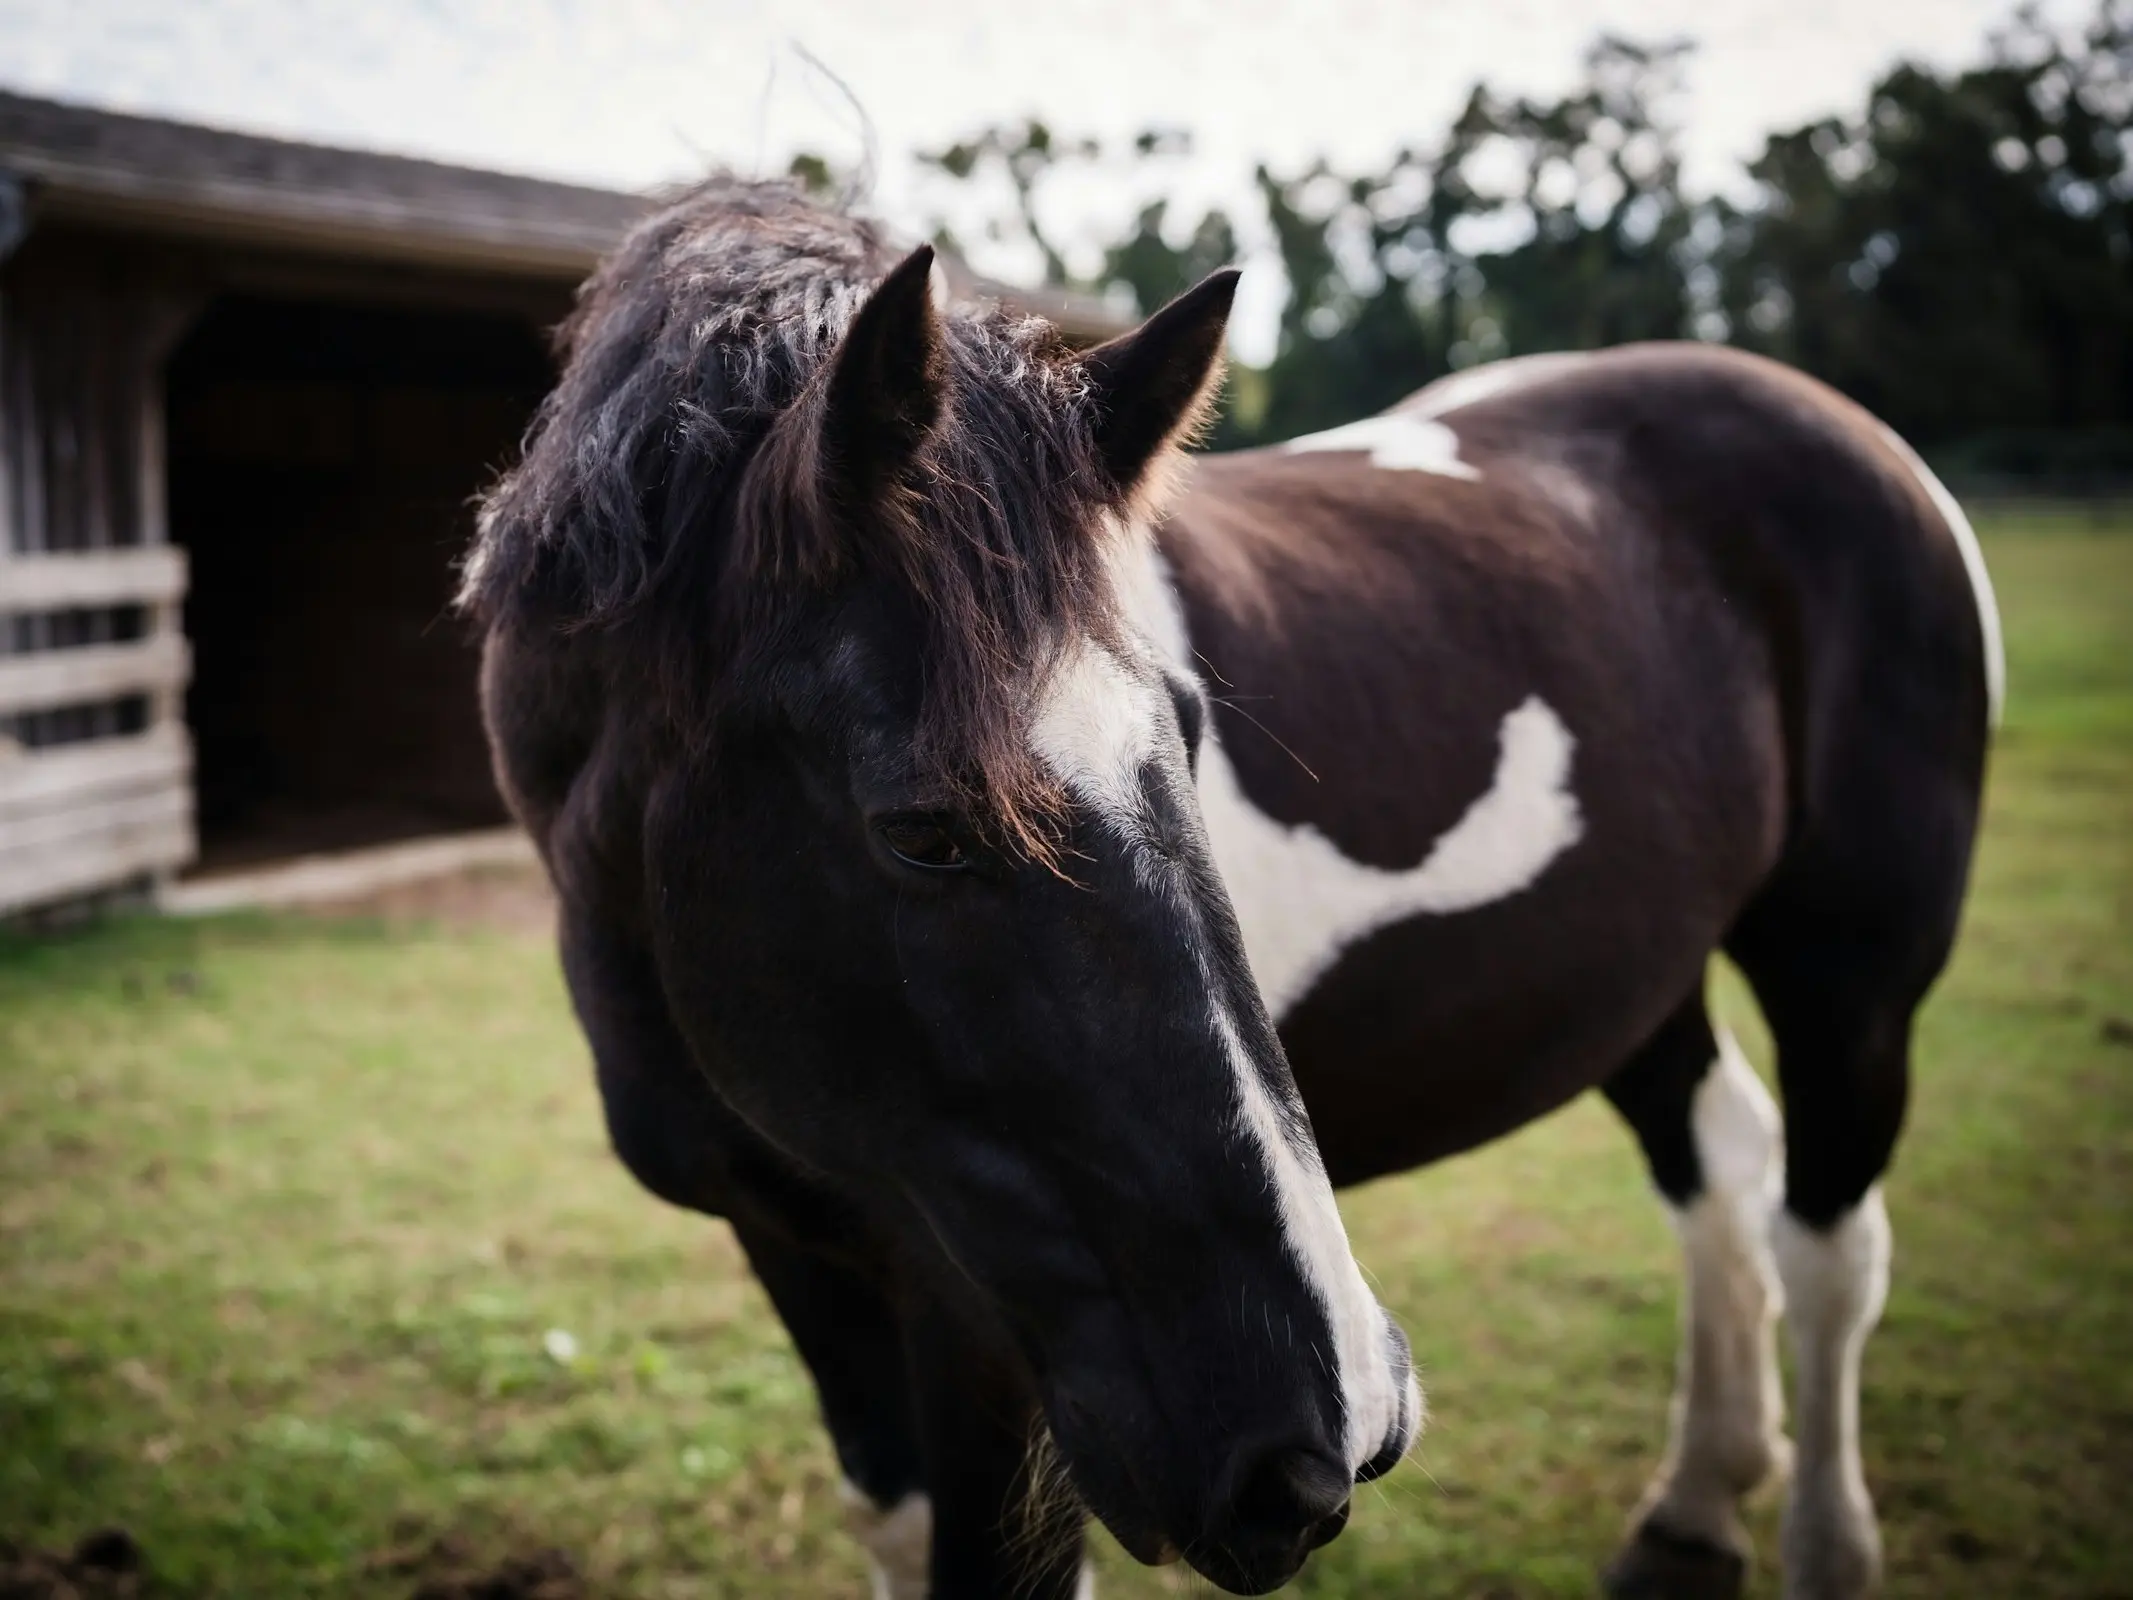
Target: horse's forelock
[670,487]
[997,536]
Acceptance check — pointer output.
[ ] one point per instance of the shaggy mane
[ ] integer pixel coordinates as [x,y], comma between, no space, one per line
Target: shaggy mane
[657,499]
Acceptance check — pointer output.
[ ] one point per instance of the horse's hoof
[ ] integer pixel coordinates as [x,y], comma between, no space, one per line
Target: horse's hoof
[1660,1564]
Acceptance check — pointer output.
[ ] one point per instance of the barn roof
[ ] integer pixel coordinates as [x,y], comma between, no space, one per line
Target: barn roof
[184,180]
[180,178]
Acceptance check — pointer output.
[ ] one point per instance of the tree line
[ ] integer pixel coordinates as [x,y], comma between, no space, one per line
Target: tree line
[1956,253]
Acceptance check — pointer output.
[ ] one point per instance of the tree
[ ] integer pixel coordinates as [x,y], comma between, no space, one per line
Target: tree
[1530,226]
[1957,257]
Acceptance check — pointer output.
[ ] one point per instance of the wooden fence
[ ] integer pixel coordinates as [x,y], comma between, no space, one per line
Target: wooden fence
[95,761]
[90,813]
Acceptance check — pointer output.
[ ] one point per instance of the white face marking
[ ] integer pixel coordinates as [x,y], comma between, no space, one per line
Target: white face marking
[1398,441]
[898,1541]
[1311,1222]
[1099,730]
[1835,1285]
[1727,1412]
[1965,536]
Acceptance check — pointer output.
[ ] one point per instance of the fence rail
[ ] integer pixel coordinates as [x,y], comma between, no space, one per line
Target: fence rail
[85,815]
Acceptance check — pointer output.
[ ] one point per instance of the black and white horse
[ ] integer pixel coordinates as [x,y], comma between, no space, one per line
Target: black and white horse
[871,673]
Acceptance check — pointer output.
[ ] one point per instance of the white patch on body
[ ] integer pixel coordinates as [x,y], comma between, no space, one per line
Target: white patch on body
[1396,441]
[1728,1407]
[1300,901]
[1100,729]
[1836,1283]
[1965,536]
[1486,382]
[898,1541]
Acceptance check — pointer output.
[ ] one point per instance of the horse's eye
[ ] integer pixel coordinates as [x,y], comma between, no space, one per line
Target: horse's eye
[923,842]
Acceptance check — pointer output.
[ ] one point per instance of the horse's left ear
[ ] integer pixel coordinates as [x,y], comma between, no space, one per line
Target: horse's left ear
[1152,386]
[885,386]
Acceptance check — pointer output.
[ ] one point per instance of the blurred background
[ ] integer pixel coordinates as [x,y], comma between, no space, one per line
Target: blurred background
[315,1275]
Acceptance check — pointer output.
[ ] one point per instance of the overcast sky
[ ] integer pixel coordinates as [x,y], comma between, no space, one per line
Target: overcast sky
[638,92]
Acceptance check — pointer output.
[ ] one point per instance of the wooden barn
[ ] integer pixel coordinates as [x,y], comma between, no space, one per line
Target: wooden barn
[247,390]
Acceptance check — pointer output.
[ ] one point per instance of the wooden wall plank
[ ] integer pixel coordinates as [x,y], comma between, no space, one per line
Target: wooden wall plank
[99,672]
[152,575]
[36,780]
[149,846]
[111,815]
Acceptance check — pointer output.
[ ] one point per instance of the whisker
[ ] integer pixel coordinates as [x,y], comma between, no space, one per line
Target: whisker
[1271,734]
[1212,672]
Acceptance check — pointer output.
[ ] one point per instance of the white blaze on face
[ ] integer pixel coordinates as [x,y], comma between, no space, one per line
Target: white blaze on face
[1103,728]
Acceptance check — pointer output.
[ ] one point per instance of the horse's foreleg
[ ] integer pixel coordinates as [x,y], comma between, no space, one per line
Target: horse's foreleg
[1005,1527]
[683,1145]
[852,1342]
[1711,1136]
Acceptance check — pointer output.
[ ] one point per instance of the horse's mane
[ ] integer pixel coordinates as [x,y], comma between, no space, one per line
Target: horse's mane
[643,506]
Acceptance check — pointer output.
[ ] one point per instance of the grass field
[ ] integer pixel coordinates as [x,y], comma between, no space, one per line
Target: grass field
[311,1251]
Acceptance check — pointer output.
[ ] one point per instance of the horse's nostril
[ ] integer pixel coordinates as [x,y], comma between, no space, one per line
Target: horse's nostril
[1294,1488]
[1327,1529]
[1282,1499]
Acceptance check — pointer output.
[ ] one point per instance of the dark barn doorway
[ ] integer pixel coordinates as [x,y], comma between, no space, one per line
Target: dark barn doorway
[322,458]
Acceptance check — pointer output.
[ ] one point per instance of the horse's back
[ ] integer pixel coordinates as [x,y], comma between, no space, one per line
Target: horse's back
[1726,589]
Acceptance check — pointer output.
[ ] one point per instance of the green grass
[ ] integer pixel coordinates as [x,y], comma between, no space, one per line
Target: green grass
[289,1207]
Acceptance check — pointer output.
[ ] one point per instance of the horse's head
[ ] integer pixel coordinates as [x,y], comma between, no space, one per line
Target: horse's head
[931,899]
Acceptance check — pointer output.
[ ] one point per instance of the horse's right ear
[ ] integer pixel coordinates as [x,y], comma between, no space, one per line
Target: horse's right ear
[1153,385]
[886,387]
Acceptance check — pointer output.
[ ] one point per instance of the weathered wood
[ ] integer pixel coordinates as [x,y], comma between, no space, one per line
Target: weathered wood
[9,535]
[101,672]
[66,819]
[125,576]
[168,177]
[36,780]
[152,840]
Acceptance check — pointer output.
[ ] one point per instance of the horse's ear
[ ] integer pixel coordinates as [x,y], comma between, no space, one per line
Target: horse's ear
[1153,385]
[885,386]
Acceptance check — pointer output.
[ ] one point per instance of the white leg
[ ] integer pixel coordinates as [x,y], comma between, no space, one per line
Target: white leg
[1727,1433]
[898,1541]
[1836,1280]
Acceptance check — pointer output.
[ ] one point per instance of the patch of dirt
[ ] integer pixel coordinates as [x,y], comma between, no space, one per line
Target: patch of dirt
[106,1565]
[446,1569]
[513,899]
[545,1575]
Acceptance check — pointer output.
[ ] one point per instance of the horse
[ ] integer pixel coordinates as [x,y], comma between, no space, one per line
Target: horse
[1015,870]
